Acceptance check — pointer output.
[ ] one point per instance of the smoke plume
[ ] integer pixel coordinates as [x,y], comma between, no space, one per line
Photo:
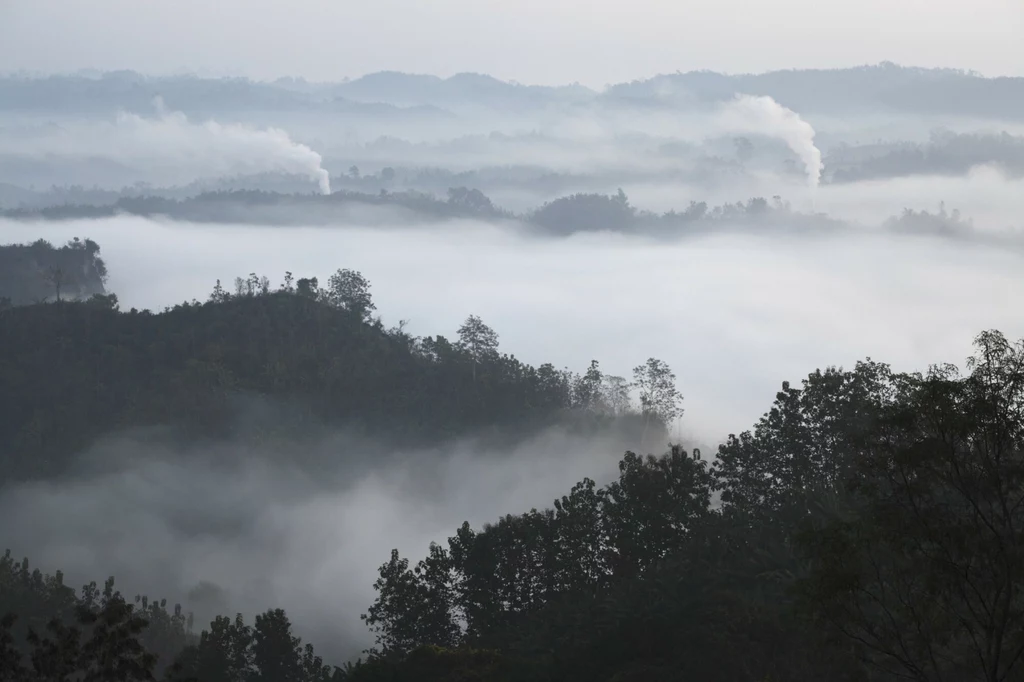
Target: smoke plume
[765,116]
[168,148]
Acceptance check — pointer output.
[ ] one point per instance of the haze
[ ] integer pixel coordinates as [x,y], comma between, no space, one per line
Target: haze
[734,315]
[730,194]
[595,43]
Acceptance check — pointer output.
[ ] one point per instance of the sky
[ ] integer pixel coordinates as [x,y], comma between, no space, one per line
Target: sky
[594,42]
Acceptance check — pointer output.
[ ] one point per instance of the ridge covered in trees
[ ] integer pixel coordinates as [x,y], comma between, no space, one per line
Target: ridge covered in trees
[316,352]
[867,528]
[580,212]
[563,217]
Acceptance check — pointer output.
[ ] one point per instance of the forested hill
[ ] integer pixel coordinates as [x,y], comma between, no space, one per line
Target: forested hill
[867,529]
[32,273]
[575,213]
[83,370]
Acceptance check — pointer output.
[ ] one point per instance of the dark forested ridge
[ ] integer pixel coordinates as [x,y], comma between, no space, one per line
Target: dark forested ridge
[37,272]
[563,217]
[867,528]
[317,353]
[576,213]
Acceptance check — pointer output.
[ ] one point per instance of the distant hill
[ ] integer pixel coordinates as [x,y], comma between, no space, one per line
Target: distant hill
[463,88]
[882,87]
[132,91]
[885,86]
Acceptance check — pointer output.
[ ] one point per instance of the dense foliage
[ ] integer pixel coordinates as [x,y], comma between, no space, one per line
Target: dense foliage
[869,526]
[317,352]
[37,272]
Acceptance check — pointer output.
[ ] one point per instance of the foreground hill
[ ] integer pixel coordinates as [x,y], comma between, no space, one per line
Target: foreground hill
[867,529]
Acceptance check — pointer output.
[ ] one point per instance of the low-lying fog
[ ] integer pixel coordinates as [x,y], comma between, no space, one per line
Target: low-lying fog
[733,315]
[222,531]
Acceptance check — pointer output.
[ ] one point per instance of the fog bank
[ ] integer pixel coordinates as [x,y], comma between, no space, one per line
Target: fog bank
[224,530]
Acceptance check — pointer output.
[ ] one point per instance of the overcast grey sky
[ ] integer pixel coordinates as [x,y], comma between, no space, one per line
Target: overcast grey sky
[533,41]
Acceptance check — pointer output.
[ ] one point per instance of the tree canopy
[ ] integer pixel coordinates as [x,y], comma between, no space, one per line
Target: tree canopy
[867,528]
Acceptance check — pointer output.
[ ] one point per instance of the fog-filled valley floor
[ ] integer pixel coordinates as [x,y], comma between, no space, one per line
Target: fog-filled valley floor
[222,532]
[254,336]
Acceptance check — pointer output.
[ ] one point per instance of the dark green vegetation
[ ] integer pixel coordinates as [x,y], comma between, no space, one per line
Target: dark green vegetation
[37,272]
[868,528]
[99,636]
[315,353]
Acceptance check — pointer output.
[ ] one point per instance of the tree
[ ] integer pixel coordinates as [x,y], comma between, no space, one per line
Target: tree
[615,394]
[478,340]
[413,606]
[219,294]
[924,567]
[11,666]
[653,507]
[387,174]
[587,389]
[349,290]
[32,273]
[103,647]
[804,446]
[580,539]
[473,200]
[308,287]
[313,667]
[276,653]
[105,301]
[223,654]
[659,397]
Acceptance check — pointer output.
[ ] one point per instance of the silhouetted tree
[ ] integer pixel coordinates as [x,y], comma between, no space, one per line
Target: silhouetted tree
[348,289]
[478,340]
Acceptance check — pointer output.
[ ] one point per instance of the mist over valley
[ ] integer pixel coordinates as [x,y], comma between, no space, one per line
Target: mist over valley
[452,377]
